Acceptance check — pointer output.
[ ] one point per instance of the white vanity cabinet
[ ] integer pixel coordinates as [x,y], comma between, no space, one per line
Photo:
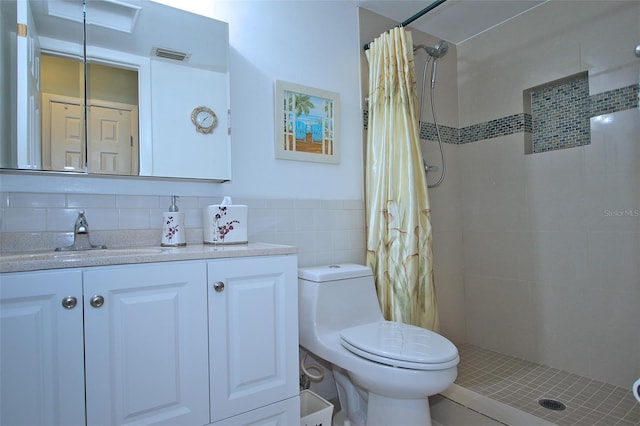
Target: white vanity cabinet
[144,358]
[253,340]
[41,348]
[146,344]
[189,342]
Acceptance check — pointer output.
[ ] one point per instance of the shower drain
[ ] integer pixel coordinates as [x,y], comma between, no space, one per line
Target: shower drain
[552,404]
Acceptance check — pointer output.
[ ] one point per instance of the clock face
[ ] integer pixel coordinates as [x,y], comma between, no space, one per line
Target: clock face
[204,119]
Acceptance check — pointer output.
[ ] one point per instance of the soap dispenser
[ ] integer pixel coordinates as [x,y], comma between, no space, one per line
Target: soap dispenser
[173,230]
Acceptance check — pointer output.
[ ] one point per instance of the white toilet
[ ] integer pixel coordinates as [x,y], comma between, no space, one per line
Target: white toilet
[384,371]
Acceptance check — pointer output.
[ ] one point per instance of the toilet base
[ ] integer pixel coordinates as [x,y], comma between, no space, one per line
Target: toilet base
[361,408]
[385,411]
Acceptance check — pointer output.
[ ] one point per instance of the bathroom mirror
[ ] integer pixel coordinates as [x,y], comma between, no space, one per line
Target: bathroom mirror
[142,67]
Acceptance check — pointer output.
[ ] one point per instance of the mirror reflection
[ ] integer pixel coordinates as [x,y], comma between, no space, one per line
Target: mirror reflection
[112,117]
[137,53]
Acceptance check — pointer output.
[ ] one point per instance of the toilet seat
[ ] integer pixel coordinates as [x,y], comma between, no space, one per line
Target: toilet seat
[400,345]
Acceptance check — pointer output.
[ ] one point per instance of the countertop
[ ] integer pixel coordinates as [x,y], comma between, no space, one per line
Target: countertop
[33,261]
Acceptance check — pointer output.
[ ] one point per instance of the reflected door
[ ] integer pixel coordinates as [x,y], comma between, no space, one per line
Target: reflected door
[66,137]
[110,141]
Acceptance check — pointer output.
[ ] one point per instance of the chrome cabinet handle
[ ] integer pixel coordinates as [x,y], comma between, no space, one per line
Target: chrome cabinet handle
[97,301]
[219,286]
[69,302]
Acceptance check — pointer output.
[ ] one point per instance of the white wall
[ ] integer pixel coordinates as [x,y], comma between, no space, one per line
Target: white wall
[313,43]
[317,207]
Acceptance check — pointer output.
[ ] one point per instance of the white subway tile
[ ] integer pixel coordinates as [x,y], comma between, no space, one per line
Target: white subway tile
[87,201]
[25,219]
[4,199]
[138,201]
[30,199]
[62,220]
[102,219]
[134,219]
[307,204]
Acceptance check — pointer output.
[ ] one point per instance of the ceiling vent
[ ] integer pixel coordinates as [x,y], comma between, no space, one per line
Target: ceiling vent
[170,54]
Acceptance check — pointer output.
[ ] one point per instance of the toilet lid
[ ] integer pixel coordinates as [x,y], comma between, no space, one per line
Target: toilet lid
[400,345]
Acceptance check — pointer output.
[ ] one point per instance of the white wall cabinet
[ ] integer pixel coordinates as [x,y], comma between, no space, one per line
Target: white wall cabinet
[156,343]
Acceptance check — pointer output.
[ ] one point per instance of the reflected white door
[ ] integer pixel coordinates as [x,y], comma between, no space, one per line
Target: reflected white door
[110,140]
[66,137]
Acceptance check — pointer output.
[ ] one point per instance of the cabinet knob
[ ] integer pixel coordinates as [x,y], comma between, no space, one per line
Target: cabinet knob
[219,286]
[97,301]
[69,302]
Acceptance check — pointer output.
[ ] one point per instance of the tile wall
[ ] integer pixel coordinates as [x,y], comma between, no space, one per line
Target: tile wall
[537,256]
[559,118]
[325,231]
[551,241]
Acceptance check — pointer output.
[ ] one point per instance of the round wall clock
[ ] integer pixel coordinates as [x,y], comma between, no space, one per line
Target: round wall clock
[204,119]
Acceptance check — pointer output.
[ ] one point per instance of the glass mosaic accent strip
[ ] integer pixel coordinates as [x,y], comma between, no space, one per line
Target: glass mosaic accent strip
[559,119]
[560,114]
[615,100]
[448,134]
[492,129]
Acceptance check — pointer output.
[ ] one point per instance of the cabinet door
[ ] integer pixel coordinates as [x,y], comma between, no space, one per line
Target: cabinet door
[253,327]
[41,349]
[146,346]
[283,413]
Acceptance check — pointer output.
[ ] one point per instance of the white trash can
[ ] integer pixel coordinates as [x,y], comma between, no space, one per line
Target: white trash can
[314,410]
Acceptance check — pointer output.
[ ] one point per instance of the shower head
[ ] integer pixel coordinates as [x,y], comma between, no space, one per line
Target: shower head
[437,51]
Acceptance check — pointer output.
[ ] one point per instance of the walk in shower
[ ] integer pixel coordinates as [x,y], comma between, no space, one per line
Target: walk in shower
[536,254]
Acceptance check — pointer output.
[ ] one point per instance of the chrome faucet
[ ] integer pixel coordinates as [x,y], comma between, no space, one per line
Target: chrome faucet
[81,236]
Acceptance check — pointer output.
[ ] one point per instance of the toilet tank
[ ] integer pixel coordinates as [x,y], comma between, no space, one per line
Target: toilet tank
[335,297]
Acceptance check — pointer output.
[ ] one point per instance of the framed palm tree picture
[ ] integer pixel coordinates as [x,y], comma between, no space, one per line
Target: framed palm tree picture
[306,123]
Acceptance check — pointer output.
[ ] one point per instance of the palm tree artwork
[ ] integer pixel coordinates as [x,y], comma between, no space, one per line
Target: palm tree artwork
[308,123]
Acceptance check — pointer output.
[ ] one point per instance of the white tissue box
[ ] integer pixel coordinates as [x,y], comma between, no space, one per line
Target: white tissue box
[225,224]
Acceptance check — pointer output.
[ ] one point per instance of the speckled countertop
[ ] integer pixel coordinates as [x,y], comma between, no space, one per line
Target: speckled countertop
[32,261]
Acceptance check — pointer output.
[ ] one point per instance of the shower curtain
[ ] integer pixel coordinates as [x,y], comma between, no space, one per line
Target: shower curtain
[399,247]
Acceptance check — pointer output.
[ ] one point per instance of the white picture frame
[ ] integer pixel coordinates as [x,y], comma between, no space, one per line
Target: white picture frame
[306,123]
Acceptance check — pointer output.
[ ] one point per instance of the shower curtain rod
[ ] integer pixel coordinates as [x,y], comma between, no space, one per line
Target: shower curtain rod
[416,16]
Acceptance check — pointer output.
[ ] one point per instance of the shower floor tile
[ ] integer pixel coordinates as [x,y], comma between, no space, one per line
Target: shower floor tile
[520,384]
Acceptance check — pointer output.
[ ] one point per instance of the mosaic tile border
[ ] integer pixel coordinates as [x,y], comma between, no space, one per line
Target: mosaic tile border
[449,134]
[560,112]
[494,128]
[615,100]
[609,102]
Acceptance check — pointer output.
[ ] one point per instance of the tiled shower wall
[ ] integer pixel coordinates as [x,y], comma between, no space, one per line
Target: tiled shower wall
[548,245]
[551,241]
[324,231]
[559,116]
